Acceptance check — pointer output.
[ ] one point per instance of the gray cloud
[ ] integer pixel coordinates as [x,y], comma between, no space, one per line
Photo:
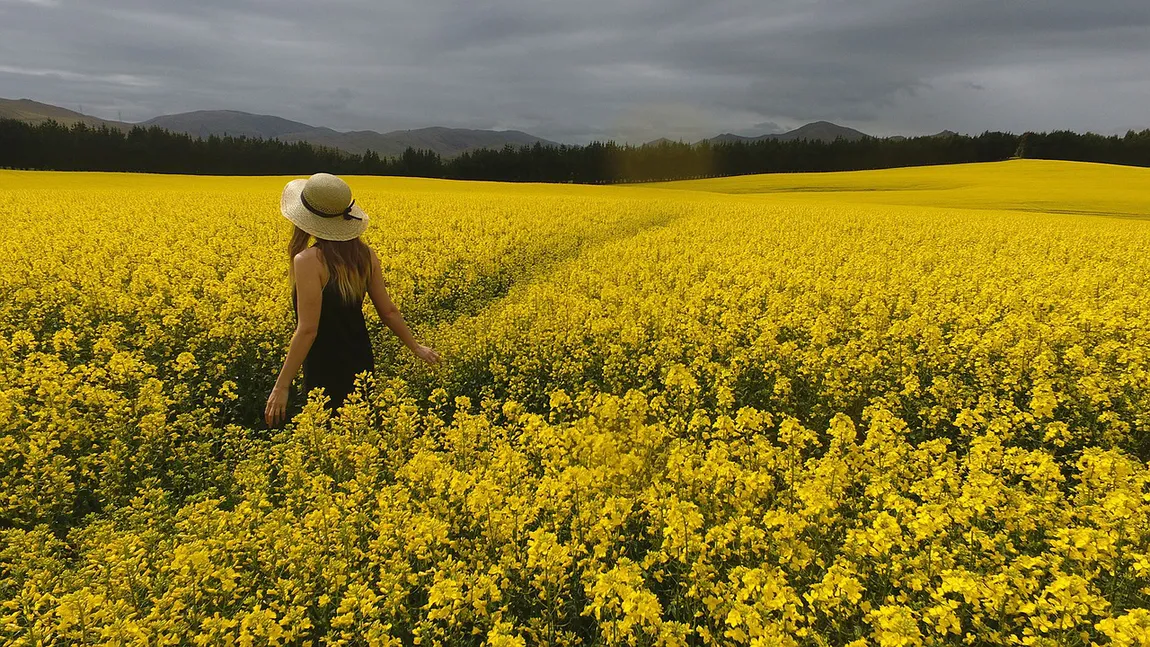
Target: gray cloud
[573,71]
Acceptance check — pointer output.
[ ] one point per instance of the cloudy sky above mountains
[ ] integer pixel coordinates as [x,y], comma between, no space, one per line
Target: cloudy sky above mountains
[574,71]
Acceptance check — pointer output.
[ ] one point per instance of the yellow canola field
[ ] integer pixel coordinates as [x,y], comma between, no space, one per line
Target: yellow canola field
[902,407]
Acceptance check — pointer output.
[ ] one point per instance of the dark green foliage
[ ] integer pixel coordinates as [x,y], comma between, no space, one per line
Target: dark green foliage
[51,146]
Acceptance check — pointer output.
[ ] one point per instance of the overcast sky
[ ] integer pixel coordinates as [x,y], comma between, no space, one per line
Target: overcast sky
[574,70]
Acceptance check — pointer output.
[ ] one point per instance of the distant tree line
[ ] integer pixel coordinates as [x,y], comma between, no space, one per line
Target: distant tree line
[52,146]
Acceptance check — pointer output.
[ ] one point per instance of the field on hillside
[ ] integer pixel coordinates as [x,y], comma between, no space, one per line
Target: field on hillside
[903,407]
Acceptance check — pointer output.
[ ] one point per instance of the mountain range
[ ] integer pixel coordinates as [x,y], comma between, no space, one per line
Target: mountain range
[448,142]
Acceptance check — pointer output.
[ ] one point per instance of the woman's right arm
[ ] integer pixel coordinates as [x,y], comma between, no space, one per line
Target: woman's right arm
[390,315]
[309,297]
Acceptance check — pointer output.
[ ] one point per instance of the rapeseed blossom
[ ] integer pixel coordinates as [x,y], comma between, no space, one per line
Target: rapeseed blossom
[776,410]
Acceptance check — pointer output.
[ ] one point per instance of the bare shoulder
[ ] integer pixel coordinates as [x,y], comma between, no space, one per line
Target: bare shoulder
[309,263]
[309,257]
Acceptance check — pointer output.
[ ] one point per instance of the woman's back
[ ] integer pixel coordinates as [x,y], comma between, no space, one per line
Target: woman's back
[342,346]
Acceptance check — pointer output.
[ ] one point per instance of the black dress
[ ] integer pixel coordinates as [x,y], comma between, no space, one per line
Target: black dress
[342,348]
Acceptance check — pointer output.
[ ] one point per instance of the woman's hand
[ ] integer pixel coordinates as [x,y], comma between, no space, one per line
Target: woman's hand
[276,408]
[426,354]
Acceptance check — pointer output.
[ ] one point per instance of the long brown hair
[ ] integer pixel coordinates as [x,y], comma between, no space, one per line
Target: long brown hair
[348,262]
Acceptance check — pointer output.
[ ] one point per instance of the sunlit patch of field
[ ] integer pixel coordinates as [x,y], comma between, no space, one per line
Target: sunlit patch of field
[1015,185]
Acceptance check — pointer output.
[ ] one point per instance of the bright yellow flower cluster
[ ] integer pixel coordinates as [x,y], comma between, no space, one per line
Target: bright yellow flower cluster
[905,407]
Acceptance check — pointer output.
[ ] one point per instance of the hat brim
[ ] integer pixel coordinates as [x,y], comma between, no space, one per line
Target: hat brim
[337,228]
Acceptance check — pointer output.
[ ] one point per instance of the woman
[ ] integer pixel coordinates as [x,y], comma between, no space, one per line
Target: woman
[329,281]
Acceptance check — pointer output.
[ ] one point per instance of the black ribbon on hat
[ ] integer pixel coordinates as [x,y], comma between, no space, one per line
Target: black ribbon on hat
[346,213]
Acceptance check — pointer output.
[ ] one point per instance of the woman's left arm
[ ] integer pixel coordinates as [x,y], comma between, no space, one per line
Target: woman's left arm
[309,297]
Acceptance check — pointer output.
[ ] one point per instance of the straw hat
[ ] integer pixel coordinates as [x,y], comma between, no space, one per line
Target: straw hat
[322,206]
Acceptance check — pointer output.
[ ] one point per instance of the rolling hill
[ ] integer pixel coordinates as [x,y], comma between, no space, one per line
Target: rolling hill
[35,112]
[204,123]
[823,131]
